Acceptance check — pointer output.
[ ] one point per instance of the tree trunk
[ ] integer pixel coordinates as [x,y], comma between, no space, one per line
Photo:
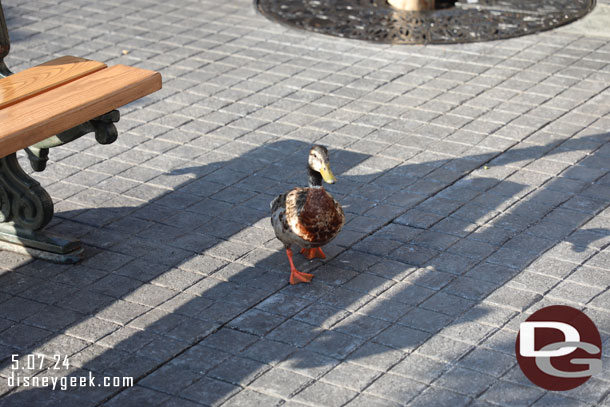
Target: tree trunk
[412,5]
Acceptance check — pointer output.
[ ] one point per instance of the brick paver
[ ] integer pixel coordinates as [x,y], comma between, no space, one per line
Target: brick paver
[475,180]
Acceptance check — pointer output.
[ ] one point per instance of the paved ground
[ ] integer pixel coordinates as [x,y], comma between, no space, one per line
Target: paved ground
[475,180]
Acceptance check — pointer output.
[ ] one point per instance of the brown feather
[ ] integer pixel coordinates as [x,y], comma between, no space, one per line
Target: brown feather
[314,215]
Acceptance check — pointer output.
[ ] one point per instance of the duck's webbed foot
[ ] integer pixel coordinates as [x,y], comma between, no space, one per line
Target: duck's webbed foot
[316,252]
[296,276]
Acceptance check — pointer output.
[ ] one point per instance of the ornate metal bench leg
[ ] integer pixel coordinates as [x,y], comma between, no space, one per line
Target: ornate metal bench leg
[25,209]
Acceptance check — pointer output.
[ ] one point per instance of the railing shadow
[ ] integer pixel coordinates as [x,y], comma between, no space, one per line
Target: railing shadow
[220,311]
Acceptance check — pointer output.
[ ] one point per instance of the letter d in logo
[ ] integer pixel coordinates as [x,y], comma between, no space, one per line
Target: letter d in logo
[527,331]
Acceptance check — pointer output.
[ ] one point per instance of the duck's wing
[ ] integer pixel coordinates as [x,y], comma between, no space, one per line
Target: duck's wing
[279,221]
[278,203]
[340,213]
[287,207]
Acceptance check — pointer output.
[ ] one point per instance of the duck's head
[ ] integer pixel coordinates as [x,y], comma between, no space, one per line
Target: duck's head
[318,162]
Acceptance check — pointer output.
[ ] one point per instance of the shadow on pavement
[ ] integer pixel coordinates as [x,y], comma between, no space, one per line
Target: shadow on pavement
[423,246]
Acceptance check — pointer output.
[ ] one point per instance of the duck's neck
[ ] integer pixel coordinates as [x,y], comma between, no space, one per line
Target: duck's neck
[314,179]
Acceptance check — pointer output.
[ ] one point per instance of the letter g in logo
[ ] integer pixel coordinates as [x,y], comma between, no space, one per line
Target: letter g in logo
[554,344]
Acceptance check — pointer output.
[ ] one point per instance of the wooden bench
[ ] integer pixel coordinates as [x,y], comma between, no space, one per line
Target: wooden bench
[43,107]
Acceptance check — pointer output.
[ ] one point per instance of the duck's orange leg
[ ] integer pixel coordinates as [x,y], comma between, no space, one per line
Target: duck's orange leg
[316,252]
[296,276]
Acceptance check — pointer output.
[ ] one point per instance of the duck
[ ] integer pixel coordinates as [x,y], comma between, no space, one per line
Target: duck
[308,217]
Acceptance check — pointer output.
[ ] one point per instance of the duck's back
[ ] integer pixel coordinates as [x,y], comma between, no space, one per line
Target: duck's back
[314,215]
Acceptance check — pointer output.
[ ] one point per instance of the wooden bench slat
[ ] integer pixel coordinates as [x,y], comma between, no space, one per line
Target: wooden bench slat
[59,109]
[41,78]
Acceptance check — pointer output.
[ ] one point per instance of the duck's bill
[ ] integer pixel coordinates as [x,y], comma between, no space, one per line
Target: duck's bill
[327,175]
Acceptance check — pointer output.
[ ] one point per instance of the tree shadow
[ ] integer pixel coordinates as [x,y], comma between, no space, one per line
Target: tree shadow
[424,245]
